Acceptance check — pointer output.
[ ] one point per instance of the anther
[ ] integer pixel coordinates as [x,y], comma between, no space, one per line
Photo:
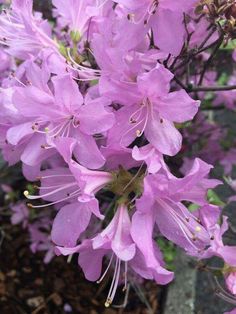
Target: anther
[131,120]
[138,133]
[108,302]
[194,238]
[26,193]
[34,127]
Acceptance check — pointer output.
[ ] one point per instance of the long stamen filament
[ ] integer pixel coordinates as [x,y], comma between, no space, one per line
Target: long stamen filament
[36,197]
[56,202]
[105,272]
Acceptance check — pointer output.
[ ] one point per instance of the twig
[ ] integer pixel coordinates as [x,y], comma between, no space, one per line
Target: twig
[208,62]
[211,88]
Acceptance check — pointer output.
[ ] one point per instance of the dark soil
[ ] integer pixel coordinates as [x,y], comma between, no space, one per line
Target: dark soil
[27,285]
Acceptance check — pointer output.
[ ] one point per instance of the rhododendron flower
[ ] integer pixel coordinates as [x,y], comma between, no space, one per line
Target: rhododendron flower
[77,15]
[20,214]
[65,116]
[217,248]
[95,105]
[152,112]
[231,312]
[41,241]
[24,33]
[164,17]
[116,240]
[77,187]
[161,203]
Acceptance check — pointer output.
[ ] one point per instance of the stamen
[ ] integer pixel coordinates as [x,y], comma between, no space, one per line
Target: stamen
[91,73]
[114,283]
[18,80]
[36,197]
[138,123]
[190,236]
[222,293]
[138,133]
[152,7]
[56,202]
[126,275]
[55,176]
[105,272]
[134,177]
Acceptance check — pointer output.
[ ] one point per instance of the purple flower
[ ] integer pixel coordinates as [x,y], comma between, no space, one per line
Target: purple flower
[76,14]
[40,240]
[164,17]
[24,33]
[62,113]
[77,187]
[161,204]
[152,111]
[231,312]
[116,241]
[20,214]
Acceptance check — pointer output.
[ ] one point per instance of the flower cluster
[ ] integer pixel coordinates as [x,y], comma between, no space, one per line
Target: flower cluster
[92,109]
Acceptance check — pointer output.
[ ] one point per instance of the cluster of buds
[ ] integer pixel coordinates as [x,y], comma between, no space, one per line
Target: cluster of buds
[222,13]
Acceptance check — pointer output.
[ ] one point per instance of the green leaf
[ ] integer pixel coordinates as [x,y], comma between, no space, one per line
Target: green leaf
[169,252]
[193,207]
[231,45]
[214,199]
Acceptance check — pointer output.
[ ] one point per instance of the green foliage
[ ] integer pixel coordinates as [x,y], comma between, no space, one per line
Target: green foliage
[231,45]
[193,207]
[169,252]
[214,199]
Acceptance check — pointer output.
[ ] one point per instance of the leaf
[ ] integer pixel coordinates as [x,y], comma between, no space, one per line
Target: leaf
[193,207]
[214,199]
[231,45]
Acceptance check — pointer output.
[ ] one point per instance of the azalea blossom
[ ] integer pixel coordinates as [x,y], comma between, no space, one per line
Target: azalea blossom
[110,109]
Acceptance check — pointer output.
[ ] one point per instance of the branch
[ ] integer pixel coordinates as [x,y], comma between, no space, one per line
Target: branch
[208,62]
[200,88]
[191,55]
[210,88]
